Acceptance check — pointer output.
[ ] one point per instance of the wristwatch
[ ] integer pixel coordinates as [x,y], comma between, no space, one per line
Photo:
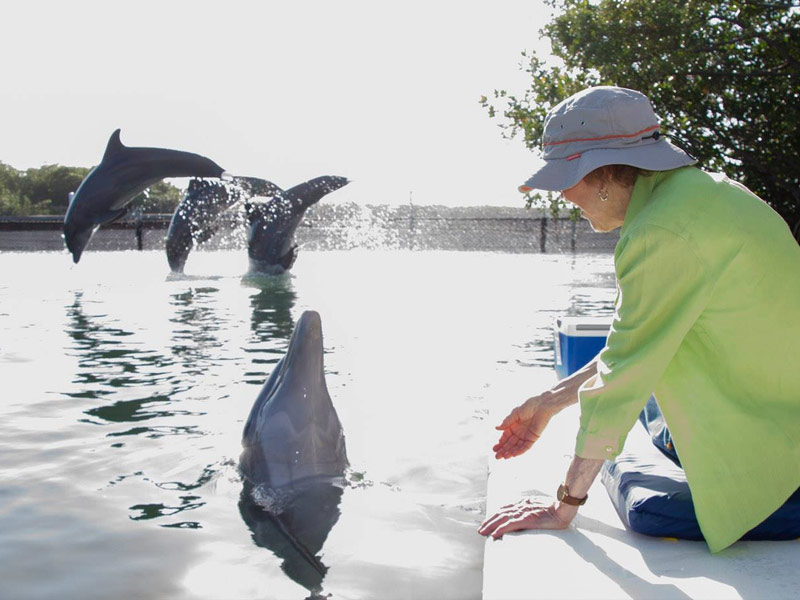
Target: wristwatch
[563,496]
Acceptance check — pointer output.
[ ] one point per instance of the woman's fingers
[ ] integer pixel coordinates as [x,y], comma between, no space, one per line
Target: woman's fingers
[518,524]
[528,513]
[492,523]
[505,514]
[518,431]
[513,417]
[506,438]
[513,444]
[508,450]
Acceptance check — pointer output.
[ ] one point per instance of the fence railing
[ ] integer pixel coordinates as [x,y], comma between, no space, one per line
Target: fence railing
[416,228]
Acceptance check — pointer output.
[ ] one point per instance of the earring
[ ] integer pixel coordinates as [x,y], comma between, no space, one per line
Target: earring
[602,193]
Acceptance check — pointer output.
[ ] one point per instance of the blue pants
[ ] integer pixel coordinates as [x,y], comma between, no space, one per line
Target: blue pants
[656,426]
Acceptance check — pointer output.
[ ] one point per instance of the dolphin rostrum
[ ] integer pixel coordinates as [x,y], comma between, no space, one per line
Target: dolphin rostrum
[196,217]
[293,433]
[122,174]
[270,243]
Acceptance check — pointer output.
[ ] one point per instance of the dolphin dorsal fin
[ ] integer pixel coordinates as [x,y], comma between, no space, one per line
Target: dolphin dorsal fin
[114,145]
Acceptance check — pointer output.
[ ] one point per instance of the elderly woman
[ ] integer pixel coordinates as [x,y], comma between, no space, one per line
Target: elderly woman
[707,319]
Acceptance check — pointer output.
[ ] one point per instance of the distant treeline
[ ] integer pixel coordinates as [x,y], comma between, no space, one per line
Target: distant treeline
[45,191]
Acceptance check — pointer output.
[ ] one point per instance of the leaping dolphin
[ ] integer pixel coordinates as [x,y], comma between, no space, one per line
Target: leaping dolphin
[270,243]
[293,432]
[122,174]
[196,217]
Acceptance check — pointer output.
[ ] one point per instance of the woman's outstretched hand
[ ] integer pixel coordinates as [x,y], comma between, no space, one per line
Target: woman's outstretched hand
[523,426]
[536,512]
[526,423]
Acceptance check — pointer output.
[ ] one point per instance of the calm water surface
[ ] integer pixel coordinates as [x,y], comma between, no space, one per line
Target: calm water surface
[123,394]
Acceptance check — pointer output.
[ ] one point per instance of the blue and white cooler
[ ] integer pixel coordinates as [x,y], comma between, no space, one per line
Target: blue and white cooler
[577,341]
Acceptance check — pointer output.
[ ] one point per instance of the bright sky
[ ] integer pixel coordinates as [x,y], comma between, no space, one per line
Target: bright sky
[383,93]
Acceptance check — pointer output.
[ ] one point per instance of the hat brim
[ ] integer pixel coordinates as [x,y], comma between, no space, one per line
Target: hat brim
[559,174]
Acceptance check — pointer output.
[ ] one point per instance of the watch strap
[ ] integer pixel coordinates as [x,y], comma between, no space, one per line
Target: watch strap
[563,496]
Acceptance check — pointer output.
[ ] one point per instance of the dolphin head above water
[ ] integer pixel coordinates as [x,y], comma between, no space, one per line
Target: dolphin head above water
[77,232]
[293,433]
[122,174]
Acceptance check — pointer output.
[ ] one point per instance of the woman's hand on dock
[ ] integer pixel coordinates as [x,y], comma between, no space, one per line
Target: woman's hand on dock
[534,512]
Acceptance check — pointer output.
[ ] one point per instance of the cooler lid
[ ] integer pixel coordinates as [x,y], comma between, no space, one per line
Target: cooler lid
[584,326]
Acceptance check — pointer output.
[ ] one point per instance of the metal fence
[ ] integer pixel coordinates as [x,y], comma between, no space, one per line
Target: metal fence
[341,227]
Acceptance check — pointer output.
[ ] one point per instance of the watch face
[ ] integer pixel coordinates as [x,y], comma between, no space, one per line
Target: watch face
[561,492]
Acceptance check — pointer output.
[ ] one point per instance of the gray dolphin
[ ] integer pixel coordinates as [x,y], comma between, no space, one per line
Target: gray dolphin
[197,215]
[122,174]
[293,433]
[270,243]
[294,459]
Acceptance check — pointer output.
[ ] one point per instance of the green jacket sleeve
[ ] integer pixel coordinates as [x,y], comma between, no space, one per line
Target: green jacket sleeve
[663,287]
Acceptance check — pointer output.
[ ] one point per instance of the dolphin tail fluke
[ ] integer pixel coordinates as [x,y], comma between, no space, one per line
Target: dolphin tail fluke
[313,190]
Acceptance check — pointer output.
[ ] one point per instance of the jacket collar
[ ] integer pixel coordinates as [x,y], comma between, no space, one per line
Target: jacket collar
[642,190]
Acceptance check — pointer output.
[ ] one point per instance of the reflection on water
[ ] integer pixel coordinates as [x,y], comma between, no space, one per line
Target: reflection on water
[271,316]
[97,349]
[107,363]
[155,511]
[141,409]
[294,528]
[194,339]
[271,322]
[111,364]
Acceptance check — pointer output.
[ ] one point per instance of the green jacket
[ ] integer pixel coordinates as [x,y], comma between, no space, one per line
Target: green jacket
[708,319]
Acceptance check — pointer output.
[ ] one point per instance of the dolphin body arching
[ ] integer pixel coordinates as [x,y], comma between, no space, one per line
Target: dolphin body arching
[196,217]
[122,174]
[270,242]
[293,433]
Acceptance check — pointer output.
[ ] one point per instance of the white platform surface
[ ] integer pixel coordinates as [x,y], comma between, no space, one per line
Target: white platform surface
[597,557]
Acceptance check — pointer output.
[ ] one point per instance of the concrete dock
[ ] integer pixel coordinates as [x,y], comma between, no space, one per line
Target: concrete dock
[597,557]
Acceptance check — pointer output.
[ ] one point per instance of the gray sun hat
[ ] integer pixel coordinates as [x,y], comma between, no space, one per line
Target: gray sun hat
[601,126]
